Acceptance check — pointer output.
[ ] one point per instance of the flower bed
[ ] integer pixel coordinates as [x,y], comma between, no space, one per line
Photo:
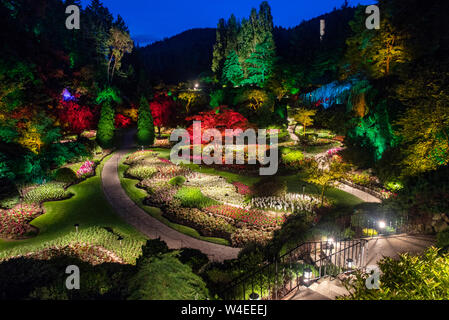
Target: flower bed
[243,189]
[15,222]
[291,202]
[256,218]
[141,171]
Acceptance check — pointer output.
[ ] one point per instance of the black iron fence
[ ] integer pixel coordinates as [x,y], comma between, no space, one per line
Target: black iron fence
[303,265]
[378,226]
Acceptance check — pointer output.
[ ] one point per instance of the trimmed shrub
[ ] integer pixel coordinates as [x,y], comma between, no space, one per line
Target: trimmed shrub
[46,192]
[65,175]
[443,239]
[177,181]
[292,158]
[145,126]
[193,198]
[141,172]
[106,126]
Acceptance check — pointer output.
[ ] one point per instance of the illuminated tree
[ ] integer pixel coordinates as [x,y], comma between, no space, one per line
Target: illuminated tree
[304,117]
[106,124]
[75,118]
[191,98]
[232,70]
[260,64]
[119,43]
[145,126]
[326,175]
[161,110]
[221,118]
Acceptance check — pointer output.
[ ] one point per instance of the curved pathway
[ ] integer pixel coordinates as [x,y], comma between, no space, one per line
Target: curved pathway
[146,224]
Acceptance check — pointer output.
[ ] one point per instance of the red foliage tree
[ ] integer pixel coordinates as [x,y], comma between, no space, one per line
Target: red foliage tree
[161,110]
[75,118]
[220,118]
[122,121]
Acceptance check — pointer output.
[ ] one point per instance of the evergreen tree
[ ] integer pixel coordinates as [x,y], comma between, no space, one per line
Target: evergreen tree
[145,126]
[105,132]
[260,64]
[232,70]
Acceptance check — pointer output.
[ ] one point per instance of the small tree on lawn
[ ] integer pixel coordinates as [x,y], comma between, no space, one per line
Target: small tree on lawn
[326,175]
[145,126]
[304,116]
[106,124]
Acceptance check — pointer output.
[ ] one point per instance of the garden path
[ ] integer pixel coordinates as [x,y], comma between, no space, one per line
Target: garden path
[146,224]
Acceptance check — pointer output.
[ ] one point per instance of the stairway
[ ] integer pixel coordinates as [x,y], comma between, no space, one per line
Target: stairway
[330,288]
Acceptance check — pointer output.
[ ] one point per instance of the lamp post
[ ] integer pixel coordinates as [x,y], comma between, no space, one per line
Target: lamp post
[76,225]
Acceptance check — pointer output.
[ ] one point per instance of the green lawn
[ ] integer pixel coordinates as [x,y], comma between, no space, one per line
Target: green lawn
[88,207]
[138,195]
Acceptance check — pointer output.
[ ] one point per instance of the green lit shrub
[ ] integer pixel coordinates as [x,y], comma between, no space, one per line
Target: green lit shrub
[141,172]
[46,192]
[145,126]
[292,158]
[66,175]
[177,181]
[106,126]
[193,198]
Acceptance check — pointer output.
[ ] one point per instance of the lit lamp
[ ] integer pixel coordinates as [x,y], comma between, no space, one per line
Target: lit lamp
[349,263]
[382,224]
[254,296]
[307,274]
[196,86]
[76,225]
[120,238]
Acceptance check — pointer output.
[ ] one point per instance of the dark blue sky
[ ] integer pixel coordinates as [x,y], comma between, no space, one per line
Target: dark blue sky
[156,19]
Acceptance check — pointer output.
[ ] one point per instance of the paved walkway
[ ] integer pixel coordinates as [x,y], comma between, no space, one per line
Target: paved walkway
[146,224]
[394,245]
[366,197]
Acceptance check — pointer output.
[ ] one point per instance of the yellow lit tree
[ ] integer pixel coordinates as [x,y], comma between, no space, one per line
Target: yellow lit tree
[304,117]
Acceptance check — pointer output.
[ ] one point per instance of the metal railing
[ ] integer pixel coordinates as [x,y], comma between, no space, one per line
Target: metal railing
[302,265]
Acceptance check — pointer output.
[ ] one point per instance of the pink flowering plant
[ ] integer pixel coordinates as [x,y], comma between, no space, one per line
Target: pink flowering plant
[243,189]
[86,169]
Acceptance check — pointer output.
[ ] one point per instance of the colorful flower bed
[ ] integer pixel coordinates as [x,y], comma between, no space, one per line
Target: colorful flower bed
[46,192]
[257,218]
[291,202]
[15,222]
[87,169]
[334,151]
[243,189]
[207,203]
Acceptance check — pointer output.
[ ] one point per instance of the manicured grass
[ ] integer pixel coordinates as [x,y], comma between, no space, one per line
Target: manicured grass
[138,195]
[87,207]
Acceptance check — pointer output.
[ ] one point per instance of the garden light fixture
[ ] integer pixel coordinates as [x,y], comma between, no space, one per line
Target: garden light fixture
[307,274]
[382,224]
[254,296]
[76,225]
[349,263]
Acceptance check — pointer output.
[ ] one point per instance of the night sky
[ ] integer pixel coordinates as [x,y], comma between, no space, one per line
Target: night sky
[150,20]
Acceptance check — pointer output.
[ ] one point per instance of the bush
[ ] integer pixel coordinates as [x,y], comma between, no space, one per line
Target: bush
[424,277]
[9,195]
[193,198]
[145,126]
[443,239]
[269,187]
[141,172]
[166,278]
[177,181]
[193,258]
[65,175]
[46,192]
[293,158]
[106,126]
